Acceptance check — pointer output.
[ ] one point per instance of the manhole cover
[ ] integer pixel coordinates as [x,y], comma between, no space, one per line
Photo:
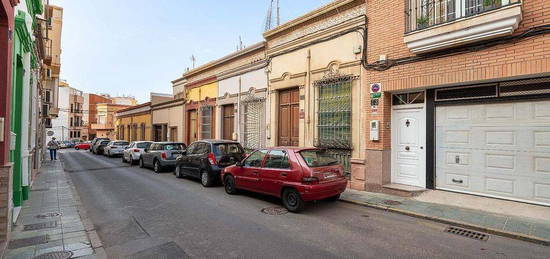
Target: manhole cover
[40,189]
[37,226]
[467,233]
[48,215]
[392,203]
[55,255]
[24,242]
[274,211]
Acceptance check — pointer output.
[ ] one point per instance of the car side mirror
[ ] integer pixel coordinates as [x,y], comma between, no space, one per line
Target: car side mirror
[184,152]
[239,164]
[146,150]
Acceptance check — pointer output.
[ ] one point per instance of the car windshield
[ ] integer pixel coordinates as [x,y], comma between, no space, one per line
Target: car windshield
[121,143]
[317,158]
[174,146]
[223,149]
[143,145]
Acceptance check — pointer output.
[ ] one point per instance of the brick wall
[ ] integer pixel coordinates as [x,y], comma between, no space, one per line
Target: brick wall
[386,28]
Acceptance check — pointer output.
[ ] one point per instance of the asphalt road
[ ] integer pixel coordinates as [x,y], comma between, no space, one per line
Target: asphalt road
[139,214]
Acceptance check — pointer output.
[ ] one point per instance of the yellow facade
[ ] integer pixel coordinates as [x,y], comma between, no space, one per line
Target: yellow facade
[135,124]
[200,93]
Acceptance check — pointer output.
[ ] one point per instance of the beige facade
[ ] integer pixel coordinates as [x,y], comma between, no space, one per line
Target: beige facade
[318,56]
[168,120]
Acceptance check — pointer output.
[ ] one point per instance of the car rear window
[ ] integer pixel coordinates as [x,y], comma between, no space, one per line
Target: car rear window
[224,149]
[121,143]
[104,142]
[318,158]
[143,145]
[174,147]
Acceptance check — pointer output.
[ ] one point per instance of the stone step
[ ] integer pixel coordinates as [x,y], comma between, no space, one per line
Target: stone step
[402,190]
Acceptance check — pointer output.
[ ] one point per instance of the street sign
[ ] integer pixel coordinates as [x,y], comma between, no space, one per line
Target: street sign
[376,88]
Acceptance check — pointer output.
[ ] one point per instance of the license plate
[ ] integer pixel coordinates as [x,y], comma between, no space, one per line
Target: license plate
[329,175]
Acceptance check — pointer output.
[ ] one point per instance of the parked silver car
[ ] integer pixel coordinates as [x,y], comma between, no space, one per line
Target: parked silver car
[115,148]
[161,155]
[132,154]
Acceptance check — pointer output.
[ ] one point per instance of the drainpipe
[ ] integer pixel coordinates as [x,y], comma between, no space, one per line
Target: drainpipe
[308,94]
[239,111]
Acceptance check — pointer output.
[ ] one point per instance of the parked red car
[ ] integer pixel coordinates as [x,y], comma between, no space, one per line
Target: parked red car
[296,175]
[83,146]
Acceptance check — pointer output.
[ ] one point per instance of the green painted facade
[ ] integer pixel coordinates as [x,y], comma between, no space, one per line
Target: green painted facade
[22,45]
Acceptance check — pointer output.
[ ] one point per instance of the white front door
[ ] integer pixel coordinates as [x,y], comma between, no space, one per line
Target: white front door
[408,145]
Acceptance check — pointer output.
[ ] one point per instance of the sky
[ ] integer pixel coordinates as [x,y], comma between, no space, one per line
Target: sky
[134,47]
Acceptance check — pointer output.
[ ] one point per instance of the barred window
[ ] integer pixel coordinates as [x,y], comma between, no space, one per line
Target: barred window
[142,131]
[206,122]
[252,115]
[334,115]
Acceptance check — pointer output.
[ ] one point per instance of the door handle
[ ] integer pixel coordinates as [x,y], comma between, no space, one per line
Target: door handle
[457,181]
[284,174]
[255,172]
[407,148]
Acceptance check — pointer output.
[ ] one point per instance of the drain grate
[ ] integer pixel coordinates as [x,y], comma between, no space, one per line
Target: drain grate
[48,215]
[55,255]
[467,233]
[24,242]
[275,211]
[37,226]
[392,203]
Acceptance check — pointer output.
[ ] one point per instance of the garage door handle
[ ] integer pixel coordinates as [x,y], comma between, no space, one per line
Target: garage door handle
[457,181]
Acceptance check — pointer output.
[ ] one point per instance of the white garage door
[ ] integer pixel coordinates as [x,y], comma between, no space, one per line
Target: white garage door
[499,150]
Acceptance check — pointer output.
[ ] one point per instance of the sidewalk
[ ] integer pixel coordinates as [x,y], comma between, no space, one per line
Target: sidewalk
[523,228]
[51,220]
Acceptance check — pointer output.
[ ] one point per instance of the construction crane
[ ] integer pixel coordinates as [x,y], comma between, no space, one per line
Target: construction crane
[273,18]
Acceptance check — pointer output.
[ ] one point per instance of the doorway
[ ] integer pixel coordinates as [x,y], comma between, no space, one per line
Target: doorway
[289,117]
[191,126]
[228,123]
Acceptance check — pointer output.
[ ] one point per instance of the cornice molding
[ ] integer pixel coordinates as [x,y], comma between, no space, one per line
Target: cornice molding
[243,52]
[307,17]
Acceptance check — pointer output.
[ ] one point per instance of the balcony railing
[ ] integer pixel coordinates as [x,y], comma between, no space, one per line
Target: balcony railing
[421,14]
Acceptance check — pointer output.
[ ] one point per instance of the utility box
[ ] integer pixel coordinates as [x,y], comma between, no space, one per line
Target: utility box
[13,138]
[374,130]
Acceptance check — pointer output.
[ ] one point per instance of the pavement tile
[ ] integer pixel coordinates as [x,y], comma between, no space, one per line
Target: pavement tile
[82,252]
[541,230]
[518,226]
[69,234]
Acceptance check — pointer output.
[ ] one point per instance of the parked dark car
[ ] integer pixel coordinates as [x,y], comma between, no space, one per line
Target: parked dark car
[296,175]
[205,159]
[100,147]
[161,155]
[96,142]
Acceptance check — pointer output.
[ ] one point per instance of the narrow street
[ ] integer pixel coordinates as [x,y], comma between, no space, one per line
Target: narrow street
[139,214]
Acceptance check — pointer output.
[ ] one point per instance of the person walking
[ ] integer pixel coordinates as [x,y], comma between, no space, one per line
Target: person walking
[53,147]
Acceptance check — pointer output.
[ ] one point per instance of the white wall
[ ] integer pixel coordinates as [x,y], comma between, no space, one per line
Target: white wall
[256,79]
[60,125]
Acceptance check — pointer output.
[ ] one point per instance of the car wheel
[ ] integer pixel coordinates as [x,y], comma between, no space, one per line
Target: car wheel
[141,164]
[178,172]
[333,198]
[292,200]
[205,179]
[76,148]
[230,185]
[156,167]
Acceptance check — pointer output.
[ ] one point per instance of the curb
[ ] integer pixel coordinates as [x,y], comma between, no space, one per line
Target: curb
[95,241]
[493,231]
